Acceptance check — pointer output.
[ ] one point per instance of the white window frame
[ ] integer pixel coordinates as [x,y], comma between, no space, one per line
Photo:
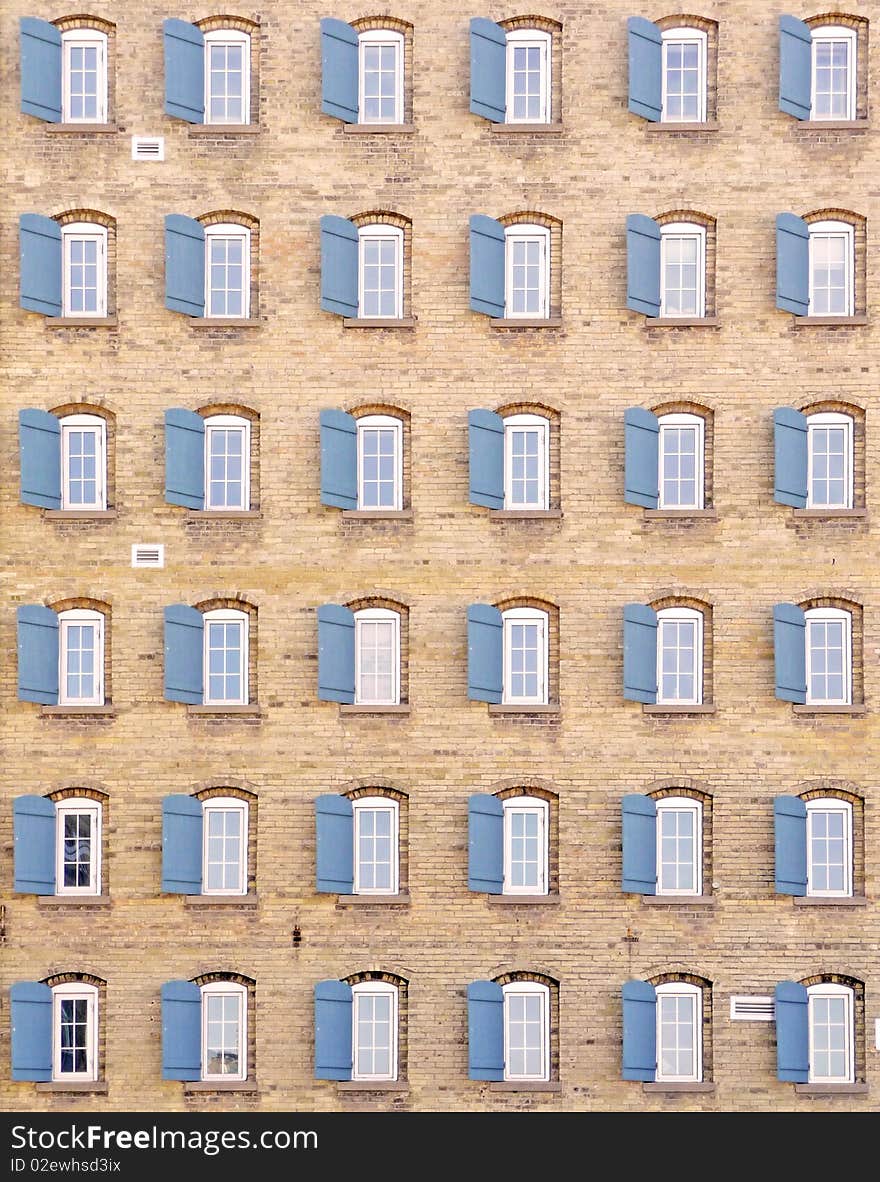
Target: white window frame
[366,804]
[80,616]
[530,615]
[531,989]
[96,425]
[676,421]
[75,991]
[824,614]
[831,804]
[531,38]
[89,232]
[229,230]
[677,614]
[229,37]
[83,38]
[698,233]
[828,989]
[681,804]
[835,33]
[367,615]
[226,616]
[230,989]
[373,989]
[527,804]
[835,229]
[384,37]
[65,808]
[386,422]
[542,426]
[695,993]
[527,232]
[378,230]
[688,35]
[217,804]
[224,423]
[831,419]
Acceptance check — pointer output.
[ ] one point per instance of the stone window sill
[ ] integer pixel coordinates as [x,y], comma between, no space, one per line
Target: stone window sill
[73,900]
[249,900]
[526,1085]
[819,514]
[678,900]
[820,901]
[82,128]
[77,711]
[199,129]
[219,1085]
[378,322]
[682,322]
[367,1085]
[827,321]
[399,900]
[832,124]
[706,125]
[680,514]
[525,514]
[669,708]
[79,514]
[378,128]
[223,514]
[678,1087]
[526,128]
[499,708]
[95,1086]
[81,322]
[251,711]
[356,708]
[856,711]
[831,1089]
[205,323]
[505,322]
[377,514]
[551,900]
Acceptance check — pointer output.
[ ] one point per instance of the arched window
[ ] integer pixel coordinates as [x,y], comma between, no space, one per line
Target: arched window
[81,651]
[526,462]
[227,271]
[74,1032]
[227,462]
[829,656]
[77,846]
[84,269]
[83,462]
[380,61]
[679,656]
[224,845]
[526,1030]
[224,1031]
[376,845]
[377,657]
[526,842]
[682,269]
[679,845]
[374,1030]
[829,461]
[528,76]
[684,75]
[226,657]
[83,76]
[527,271]
[525,674]
[831,1008]
[227,76]
[380,272]
[832,268]
[829,847]
[380,462]
[833,72]
[679,1033]
[681,452]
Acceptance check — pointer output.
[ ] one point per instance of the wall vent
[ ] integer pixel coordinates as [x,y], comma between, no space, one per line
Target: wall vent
[148,147]
[146,555]
[752,1009]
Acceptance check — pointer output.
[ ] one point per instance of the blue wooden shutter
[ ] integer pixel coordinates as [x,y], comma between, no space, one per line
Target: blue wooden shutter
[639,817]
[645,68]
[37,654]
[488,70]
[339,266]
[182,845]
[485,844]
[31,1014]
[184,458]
[335,653]
[40,69]
[485,1000]
[333,1008]
[184,654]
[339,70]
[39,446]
[639,1031]
[181,1030]
[487,266]
[334,843]
[39,241]
[790,845]
[34,843]
[789,646]
[795,67]
[184,265]
[642,466]
[485,653]
[184,70]
[790,448]
[642,264]
[486,456]
[639,653]
[339,475]
[792,1032]
[792,264]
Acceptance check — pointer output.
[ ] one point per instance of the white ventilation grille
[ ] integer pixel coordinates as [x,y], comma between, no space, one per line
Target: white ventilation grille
[752,1009]
[145,555]
[148,147]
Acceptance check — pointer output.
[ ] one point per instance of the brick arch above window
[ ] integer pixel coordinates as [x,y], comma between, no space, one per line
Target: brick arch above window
[209,975]
[377,790]
[67,978]
[84,21]
[229,603]
[831,977]
[380,408]
[507,976]
[97,794]
[832,789]
[232,217]
[229,408]
[95,217]
[525,788]
[394,24]
[679,786]
[389,977]
[83,603]
[213,24]
[226,790]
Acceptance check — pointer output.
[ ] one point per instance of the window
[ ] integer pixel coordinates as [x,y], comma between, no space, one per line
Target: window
[81,675]
[680,656]
[527,272]
[830,1010]
[381,76]
[227,271]
[226,658]
[224,1031]
[681,461]
[74,1032]
[526,1030]
[84,76]
[829,656]
[679,846]
[679,1033]
[376,845]
[377,657]
[227,462]
[830,461]
[684,76]
[83,462]
[227,76]
[380,462]
[829,847]
[84,248]
[834,73]
[525,656]
[832,246]
[374,1020]
[682,269]
[526,462]
[224,847]
[77,847]
[525,846]
[380,272]
[528,76]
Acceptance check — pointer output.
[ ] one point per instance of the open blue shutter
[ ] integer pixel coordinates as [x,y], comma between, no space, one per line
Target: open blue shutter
[339,476]
[40,69]
[335,653]
[184,654]
[639,1031]
[37,654]
[333,1008]
[339,70]
[790,845]
[639,653]
[487,266]
[334,842]
[792,264]
[645,68]
[31,1014]
[792,1032]
[642,466]
[39,241]
[795,67]
[790,652]
[485,653]
[39,445]
[339,266]
[790,448]
[184,70]
[34,843]
[639,815]
[184,265]
[485,844]
[181,1030]
[642,264]
[486,456]
[182,845]
[184,458]
[485,1000]
[488,69]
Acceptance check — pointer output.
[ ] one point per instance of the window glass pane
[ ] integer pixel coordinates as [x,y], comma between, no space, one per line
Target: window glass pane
[222,1033]
[77,849]
[828,851]
[375,852]
[829,462]
[379,295]
[525,1035]
[526,276]
[526,855]
[677,863]
[225,669]
[831,79]
[830,266]
[376,654]
[380,83]
[73,1034]
[374,1034]
[525,658]
[80,645]
[226,467]
[682,81]
[828,660]
[525,457]
[830,1037]
[226,270]
[527,65]
[677,1034]
[224,850]
[678,655]
[679,466]
[82,275]
[682,280]
[226,80]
